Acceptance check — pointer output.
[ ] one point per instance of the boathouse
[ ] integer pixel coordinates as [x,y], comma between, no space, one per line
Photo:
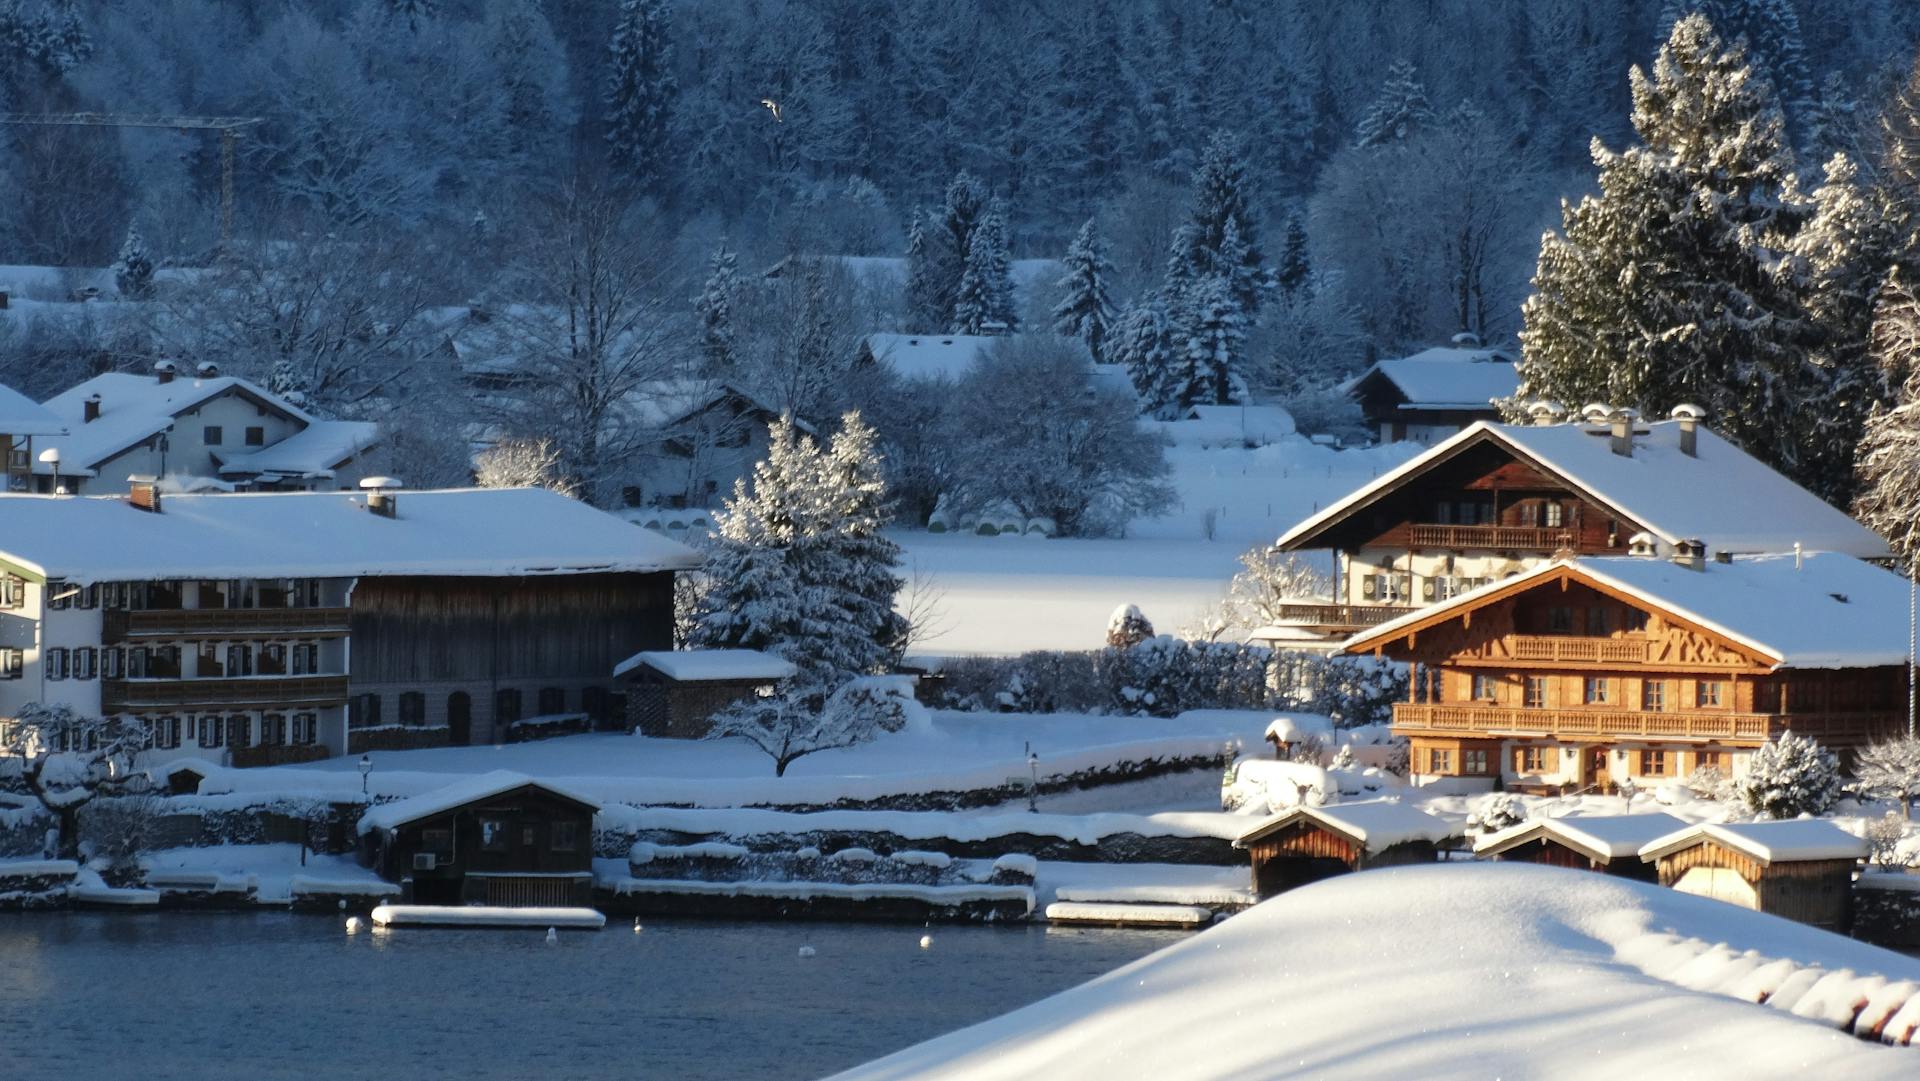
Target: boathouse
[1800,869]
[1307,844]
[500,839]
[1609,843]
[674,694]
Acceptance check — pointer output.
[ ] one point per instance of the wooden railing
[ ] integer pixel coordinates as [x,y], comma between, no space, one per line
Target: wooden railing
[1540,647]
[283,755]
[1612,723]
[126,695]
[1527,538]
[117,625]
[1342,615]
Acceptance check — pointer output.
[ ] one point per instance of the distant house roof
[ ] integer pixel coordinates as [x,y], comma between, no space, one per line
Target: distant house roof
[21,415]
[1819,610]
[1231,426]
[1789,841]
[1444,378]
[502,532]
[662,403]
[1720,495]
[315,450]
[928,356]
[458,794]
[135,408]
[1601,838]
[710,665]
[1374,825]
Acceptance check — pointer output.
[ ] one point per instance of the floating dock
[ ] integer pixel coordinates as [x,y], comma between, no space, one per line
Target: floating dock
[568,919]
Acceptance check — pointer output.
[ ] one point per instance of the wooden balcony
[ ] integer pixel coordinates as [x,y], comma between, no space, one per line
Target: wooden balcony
[1333,617]
[253,692]
[120,625]
[1503,537]
[1602,723]
[278,755]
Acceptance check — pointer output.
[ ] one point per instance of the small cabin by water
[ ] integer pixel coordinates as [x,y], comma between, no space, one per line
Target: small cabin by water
[674,694]
[500,839]
[1800,869]
[1307,844]
[1609,843]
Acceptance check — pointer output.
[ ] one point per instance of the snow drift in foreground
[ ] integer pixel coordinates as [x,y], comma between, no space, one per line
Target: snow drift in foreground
[1467,971]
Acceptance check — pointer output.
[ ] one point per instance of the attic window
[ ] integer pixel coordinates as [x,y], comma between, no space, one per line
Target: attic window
[946,341]
[1841,597]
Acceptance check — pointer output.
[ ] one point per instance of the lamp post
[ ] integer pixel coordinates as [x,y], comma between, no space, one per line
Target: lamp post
[366,767]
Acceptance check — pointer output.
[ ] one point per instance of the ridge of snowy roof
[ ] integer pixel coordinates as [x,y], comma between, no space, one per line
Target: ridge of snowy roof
[1376,824]
[468,532]
[1447,378]
[21,415]
[698,665]
[134,408]
[315,449]
[1788,841]
[1598,837]
[1720,494]
[393,815]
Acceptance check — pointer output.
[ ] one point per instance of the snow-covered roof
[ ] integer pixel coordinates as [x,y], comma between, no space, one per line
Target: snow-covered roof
[21,415]
[1598,837]
[311,451]
[702,665]
[1231,426]
[661,403]
[1790,841]
[1818,610]
[461,532]
[1375,824]
[1294,727]
[1447,378]
[133,409]
[1720,495]
[458,794]
[929,356]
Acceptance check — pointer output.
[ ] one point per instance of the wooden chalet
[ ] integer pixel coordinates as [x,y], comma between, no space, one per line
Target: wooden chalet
[1801,869]
[1609,843]
[1497,500]
[1426,397]
[1307,844]
[1587,672]
[674,694]
[500,839]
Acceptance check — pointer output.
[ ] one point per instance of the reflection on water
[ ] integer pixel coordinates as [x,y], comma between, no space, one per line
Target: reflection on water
[260,996]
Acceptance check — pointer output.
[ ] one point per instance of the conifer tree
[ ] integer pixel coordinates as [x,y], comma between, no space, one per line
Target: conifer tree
[1295,266]
[1216,343]
[133,269]
[1085,311]
[1152,350]
[1887,465]
[714,308]
[1401,110]
[983,301]
[641,91]
[1222,203]
[925,312]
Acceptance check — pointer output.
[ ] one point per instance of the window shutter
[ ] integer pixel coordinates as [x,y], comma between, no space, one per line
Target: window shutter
[1429,589]
[1367,586]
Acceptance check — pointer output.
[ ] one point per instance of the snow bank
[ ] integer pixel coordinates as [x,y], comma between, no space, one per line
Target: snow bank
[806,891]
[1462,971]
[1129,915]
[923,825]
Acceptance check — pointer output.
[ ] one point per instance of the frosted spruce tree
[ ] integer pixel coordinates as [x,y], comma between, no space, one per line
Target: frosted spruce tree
[641,92]
[926,309]
[1887,464]
[1771,30]
[133,269]
[1216,343]
[1152,349]
[1223,215]
[714,309]
[983,302]
[1664,288]
[1789,777]
[1295,267]
[1086,311]
[1400,111]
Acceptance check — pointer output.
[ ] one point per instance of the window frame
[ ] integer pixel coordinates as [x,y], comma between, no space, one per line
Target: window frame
[1596,691]
[1537,693]
[1653,696]
[1709,694]
[212,435]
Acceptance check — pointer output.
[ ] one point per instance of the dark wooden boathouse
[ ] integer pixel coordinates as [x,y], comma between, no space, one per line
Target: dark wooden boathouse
[498,839]
[1307,844]
[1609,843]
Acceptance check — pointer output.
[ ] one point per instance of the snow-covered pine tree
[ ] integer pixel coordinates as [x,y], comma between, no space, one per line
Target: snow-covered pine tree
[755,598]
[951,239]
[133,269]
[1399,112]
[856,560]
[1216,347]
[1085,311]
[926,313]
[1128,627]
[1771,30]
[1296,269]
[1887,462]
[983,302]
[641,91]
[1223,204]
[1153,352]
[1789,777]
[1665,288]
[1500,811]
[1898,190]
[714,309]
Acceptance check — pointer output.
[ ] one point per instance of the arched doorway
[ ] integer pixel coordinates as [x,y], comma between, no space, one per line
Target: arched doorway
[459,719]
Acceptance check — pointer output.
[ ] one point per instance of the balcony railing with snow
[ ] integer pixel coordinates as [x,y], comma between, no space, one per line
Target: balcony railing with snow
[1603,722]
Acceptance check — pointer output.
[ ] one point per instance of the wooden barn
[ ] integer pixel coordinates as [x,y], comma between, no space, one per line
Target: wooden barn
[501,839]
[674,694]
[1800,869]
[1307,844]
[1609,843]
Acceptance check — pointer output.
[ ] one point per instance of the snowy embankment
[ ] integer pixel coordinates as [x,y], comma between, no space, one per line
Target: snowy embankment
[1087,829]
[1464,971]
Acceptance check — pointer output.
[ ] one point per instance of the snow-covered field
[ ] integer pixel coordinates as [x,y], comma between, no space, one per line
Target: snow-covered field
[1452,971]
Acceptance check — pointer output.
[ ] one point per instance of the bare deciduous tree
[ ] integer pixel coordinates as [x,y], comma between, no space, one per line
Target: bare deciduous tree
[68,759]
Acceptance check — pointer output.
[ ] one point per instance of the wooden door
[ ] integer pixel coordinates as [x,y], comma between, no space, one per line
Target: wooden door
[459,719]
[1598,776]
[1719,883]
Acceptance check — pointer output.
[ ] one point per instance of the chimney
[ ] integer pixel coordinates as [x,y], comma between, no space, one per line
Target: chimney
[1596,412]
[1544,413]
[164,371]
[1621,422]
[1689,418]
[381,498]
[1691,554]
[90,409]
[1643,546]
[143,491]
[206,369]
[1467,339]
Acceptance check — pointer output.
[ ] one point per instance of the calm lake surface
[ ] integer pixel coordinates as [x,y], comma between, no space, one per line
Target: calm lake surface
[258,996]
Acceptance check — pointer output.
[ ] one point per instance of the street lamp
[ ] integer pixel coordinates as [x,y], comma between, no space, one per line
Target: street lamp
[366,767]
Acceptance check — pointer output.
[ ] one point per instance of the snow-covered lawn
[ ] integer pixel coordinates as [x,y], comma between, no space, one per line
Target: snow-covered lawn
[274,869]
[1454,971]
[960,751]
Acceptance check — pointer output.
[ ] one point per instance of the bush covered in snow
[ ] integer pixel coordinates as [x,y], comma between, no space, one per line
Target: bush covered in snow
[1499,811]
[1889,770]
[1789,777]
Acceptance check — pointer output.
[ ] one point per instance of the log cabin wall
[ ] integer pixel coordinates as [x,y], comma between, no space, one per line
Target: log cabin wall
[492,638]
[1817,892]
[1485,485]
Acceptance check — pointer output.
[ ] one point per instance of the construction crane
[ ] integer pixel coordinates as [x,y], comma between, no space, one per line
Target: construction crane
[229,128]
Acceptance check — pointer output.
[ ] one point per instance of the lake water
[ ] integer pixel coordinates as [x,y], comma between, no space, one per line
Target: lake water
[257,996]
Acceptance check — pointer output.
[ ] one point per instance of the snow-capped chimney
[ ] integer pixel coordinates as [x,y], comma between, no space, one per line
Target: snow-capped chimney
[1544,413]
[1467,339]
[381,499]
[1596,413]
[1643,545]
[164,371]
[1689,418]
[206,369]
[143,491]
[90,409]
[1621,422]
[1691,554]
